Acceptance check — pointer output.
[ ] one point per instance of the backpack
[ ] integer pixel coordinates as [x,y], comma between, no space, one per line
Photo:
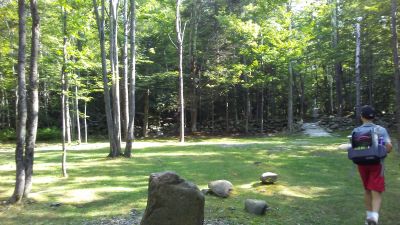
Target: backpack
[365,148]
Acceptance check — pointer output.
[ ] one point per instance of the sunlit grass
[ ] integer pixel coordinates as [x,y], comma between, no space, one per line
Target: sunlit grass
[317,183]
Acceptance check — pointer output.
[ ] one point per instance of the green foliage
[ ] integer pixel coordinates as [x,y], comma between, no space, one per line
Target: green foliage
[49,134]
[43,134]
[7,135]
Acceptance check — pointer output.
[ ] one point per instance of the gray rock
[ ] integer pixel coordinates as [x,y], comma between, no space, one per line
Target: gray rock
[221,188]
[268,178]
[173,201]
[258,207]
[334,126]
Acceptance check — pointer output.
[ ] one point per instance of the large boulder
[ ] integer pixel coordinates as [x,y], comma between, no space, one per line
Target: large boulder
[221,188]
[258,207]
[173,201]
[268,178]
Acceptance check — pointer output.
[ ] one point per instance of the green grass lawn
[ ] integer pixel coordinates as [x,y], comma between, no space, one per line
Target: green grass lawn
[317,183]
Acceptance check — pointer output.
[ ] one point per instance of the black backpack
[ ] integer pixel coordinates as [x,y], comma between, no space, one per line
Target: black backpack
[365,148]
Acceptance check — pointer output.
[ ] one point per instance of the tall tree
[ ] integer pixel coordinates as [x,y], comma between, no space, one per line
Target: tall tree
[100,19]
[115,76]
[395,48]
[194,70]
[124,88]
[28,105]
[290,80]
[132,79]
[180,33]
[338,64]
[33,98]
[64,94]
[22,107]
[357,69]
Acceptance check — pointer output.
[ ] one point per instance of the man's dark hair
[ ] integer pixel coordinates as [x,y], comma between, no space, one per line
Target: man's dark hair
[368,112]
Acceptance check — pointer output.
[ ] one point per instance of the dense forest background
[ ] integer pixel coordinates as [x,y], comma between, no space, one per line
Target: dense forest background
[249,66]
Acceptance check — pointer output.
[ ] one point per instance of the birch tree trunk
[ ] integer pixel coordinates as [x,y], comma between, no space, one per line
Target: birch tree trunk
[115,77]
[395,48]
[125,97]
[85,122]
[64,99]
[107,99]
[33,99]
[180,37]
[77,112]
[21,108]
[357,70]
[132,79]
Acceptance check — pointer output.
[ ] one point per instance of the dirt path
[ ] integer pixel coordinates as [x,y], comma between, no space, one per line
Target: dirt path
[314,130]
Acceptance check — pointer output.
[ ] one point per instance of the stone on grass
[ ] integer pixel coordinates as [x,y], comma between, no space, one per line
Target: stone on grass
[344,147]
[258,207]
[173,201]
[268,178]
[221,188]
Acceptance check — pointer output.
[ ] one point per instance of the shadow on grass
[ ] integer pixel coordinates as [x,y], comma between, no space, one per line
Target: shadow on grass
[313,187]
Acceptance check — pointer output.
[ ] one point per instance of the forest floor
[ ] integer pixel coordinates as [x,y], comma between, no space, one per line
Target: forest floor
[317,183]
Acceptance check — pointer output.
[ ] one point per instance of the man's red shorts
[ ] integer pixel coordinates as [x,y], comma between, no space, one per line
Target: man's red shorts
[372,177]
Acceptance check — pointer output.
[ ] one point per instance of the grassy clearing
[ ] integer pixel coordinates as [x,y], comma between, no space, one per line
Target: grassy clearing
[317,184]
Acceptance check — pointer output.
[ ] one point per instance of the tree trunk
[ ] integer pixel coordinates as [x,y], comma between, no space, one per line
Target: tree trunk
[227,112]
[290,83]
[132,78]
[77,112]
[180,37]
[262,110]
[115,77]
[370,75]
[21,108]
[193,64]
[64,99]
[33,99]
[106,90]
[290,98]
[146,113]
[124,96]
[212,112]
[85,122]
[302,96]
[235,105]
[395,48]
[248,109]
[338,64]
[357,70]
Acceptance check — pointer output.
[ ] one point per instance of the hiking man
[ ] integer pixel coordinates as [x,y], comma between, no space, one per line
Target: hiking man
[372,175]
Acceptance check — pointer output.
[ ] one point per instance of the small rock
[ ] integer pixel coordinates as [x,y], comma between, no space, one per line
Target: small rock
[344,146]
[258,207]
[55,204]
[334,126]
[268,178]
[221,188]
